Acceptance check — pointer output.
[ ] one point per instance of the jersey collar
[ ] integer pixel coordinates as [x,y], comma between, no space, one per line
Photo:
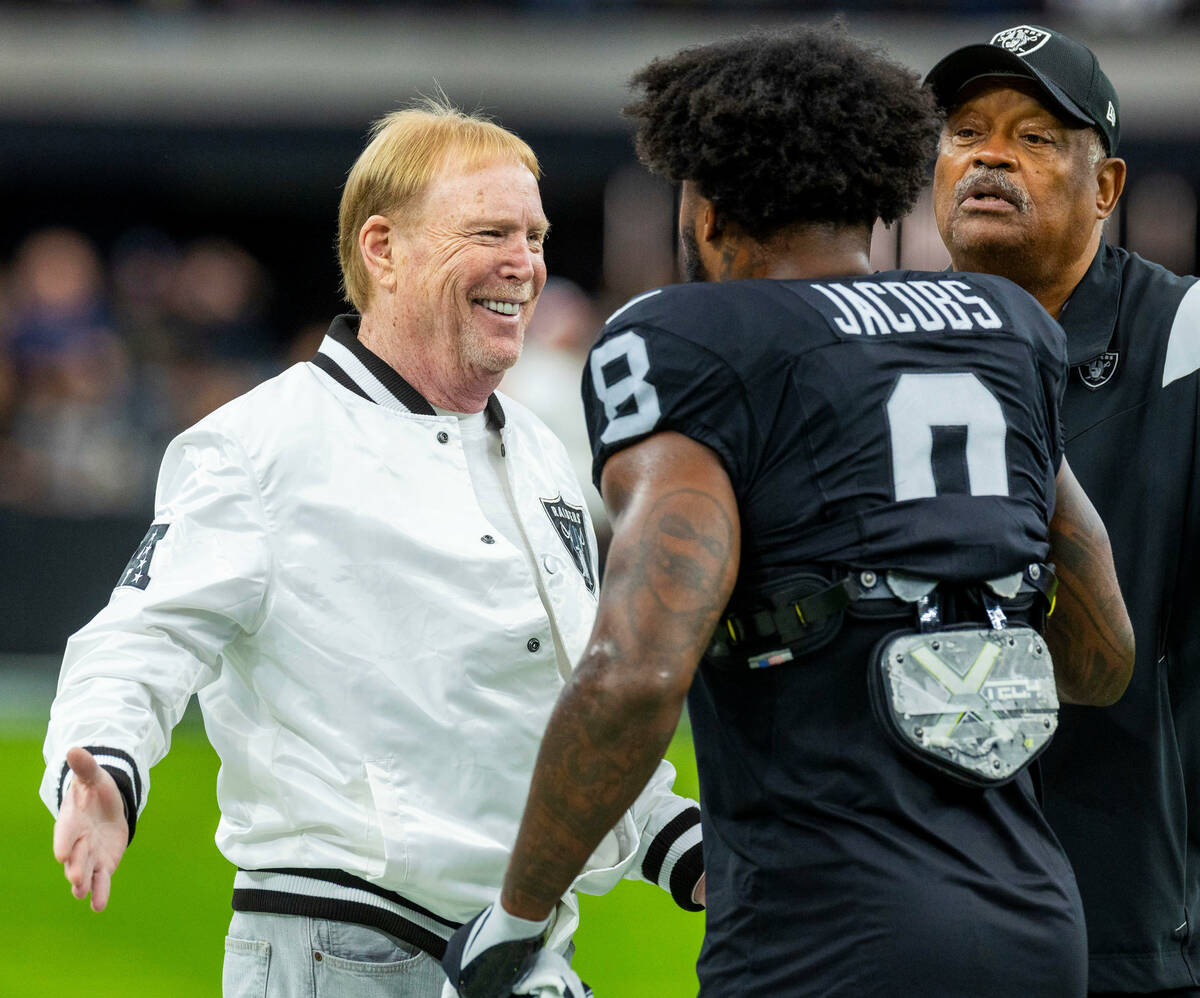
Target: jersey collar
[344,358]
[1090,313]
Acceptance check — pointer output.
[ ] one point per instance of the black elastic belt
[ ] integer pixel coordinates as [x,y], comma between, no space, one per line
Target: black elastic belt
[807,618]
[790,621]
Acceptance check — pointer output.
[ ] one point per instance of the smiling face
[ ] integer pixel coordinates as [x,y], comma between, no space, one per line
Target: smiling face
[1017,191]
[467,269]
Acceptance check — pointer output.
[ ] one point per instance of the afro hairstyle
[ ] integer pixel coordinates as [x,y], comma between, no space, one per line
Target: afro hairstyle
[804,125]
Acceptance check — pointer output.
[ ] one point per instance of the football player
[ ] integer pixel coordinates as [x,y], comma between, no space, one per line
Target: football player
[832,494]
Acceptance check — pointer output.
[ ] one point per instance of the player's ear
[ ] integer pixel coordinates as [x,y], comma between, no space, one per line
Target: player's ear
[712,225]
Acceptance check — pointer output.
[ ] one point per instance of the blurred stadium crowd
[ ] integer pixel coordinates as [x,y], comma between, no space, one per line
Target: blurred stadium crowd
[105,357]
[104,360]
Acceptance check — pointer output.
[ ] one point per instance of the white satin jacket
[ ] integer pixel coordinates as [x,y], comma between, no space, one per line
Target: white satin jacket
[373,660]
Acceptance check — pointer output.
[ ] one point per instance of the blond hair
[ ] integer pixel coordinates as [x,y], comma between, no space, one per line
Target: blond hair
[406,150]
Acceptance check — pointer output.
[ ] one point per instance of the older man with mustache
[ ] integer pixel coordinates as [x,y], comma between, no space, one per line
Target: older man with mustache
[1026,176]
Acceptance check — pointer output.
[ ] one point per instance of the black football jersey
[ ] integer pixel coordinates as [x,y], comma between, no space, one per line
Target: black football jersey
[898,420]
[903,420]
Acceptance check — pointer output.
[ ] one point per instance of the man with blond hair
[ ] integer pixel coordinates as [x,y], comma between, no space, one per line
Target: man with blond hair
[376,573]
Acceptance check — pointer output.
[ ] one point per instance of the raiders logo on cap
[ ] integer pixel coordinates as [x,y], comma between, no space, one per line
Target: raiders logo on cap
[1021,40]
[1069,80]
[1098,371]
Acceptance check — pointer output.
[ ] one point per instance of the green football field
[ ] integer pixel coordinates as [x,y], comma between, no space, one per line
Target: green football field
[162,932]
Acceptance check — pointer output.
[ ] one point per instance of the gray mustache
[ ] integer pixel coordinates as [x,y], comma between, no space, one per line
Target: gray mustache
[996,179]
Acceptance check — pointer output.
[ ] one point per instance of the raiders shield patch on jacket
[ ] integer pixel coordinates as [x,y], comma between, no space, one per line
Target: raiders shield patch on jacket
[1098,371]
[568,521]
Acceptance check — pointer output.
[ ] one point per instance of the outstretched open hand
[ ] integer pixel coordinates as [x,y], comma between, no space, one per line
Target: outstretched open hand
[91,832]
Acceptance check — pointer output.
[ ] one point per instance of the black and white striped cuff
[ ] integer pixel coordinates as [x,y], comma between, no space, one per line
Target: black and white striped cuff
[675,860]
[122,769]
[337,895]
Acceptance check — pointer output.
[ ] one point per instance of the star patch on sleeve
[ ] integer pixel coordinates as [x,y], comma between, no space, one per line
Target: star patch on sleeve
[137,572]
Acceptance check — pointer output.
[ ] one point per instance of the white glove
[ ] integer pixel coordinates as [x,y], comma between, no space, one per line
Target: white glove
[487,957]
[551,977]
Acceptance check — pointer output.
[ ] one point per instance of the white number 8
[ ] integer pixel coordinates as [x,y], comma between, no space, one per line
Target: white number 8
[645,416]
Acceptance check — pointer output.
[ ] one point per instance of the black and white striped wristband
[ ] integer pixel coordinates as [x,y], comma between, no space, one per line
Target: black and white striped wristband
[122,769]
[674,860]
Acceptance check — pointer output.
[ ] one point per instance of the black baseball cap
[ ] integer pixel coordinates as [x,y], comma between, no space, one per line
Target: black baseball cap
[1067,72]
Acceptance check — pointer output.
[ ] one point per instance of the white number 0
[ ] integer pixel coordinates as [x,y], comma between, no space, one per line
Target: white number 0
[644,417]
[918,403]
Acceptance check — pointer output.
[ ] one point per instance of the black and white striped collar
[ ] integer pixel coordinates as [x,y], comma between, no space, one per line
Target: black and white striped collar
[343,357]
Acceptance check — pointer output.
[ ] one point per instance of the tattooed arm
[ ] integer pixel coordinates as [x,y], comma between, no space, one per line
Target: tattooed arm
[670,570]
[1089,633]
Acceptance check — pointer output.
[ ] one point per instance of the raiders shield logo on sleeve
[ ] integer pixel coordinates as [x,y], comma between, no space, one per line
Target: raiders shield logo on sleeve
[568,523]
[1099,370]
[137,572]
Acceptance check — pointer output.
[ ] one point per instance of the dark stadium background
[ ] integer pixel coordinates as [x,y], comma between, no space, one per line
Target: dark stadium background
[174,121]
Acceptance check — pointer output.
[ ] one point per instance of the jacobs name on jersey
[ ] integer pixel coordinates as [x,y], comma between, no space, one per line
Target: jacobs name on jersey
[882,307]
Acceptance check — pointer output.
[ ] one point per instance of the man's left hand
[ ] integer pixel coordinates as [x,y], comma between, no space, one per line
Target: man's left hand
[488,956]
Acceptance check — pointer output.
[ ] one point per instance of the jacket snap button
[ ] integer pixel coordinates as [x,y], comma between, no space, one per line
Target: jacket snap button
[318,957]
[488,539]
[533,644]
[442,436]
[550,563]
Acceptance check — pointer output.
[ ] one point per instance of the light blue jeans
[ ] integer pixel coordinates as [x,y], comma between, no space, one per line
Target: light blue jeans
[294,956]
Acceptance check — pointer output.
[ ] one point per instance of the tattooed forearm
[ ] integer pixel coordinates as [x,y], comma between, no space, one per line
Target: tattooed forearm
[1089,633]
[593,763]
[682,558]
[670,570]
